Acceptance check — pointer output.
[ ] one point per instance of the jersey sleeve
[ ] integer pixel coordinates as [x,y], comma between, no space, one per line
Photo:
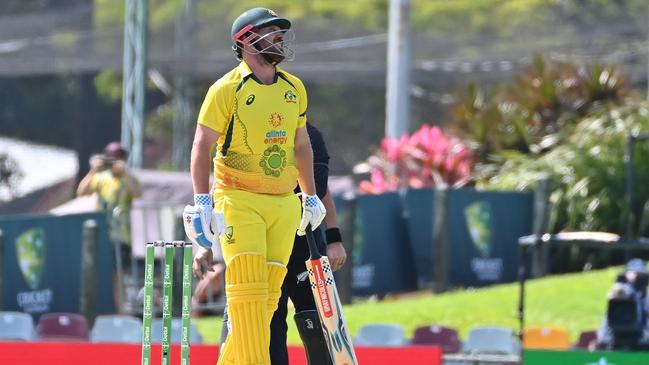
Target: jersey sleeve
[321,176]
[303,102]
[320,160]
[216,109]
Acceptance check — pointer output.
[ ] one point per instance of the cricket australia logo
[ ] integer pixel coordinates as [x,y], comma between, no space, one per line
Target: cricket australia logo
[30,252]
[478,221]
[273,161]
[289,97]
[229,235]
[275,119]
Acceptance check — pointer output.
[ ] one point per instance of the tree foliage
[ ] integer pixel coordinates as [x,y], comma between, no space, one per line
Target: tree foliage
[531,113]
[502,17]
[587,171]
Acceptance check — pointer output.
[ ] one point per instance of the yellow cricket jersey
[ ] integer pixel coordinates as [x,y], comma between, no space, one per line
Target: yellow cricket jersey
[257,123]
[111,195]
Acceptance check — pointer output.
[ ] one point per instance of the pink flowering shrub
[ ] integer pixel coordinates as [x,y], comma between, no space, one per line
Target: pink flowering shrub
[426,158]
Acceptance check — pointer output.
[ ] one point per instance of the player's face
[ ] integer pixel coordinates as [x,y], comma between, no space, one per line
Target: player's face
[270,37]
[273,41]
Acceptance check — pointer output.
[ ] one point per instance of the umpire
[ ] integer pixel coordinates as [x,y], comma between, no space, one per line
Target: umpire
[296,283]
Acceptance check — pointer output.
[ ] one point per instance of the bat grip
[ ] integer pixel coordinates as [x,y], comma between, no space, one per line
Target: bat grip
[310,239]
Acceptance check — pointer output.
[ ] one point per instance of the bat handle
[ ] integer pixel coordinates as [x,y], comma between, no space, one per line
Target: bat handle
[310,239]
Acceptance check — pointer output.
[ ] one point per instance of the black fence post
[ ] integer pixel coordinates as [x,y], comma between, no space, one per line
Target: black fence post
[347,227]
[87,300]
[440,240]
[540,253]
[2,274]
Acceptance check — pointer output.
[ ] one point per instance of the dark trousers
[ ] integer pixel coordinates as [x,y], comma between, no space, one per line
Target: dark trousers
[300,293]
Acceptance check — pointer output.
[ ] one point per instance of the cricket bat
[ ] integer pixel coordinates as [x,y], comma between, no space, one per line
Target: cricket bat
[328,303]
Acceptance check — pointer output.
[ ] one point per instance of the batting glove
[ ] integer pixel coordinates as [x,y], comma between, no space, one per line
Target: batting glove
[313,211]
[203,225]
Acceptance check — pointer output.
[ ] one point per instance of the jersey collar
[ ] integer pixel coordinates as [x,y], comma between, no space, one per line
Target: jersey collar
[245,70]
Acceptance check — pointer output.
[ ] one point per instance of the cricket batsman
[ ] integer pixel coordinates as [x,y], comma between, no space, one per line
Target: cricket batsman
[255,115]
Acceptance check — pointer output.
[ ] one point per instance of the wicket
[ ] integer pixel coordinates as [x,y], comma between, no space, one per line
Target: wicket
[147,313]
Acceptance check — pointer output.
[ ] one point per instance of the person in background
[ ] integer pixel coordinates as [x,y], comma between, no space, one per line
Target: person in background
[296,285]
[116,189]
[630,285]
[210,288]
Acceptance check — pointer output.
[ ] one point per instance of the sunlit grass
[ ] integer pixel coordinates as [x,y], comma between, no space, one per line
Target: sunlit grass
[576,302]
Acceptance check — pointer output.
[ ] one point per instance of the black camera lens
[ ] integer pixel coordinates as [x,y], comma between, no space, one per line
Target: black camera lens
[641,281]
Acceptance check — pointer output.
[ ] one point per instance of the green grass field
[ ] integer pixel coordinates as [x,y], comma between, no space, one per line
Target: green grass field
[575,301]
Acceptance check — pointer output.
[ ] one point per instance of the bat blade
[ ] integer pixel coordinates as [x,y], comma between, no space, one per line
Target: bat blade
[330,311]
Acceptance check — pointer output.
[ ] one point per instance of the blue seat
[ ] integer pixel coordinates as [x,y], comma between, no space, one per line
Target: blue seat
[381,335]
[117,329]
[491,340]
[16,326]
[176,328]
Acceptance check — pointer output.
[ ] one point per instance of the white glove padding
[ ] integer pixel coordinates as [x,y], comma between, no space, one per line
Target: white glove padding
[313,211]
[202,225]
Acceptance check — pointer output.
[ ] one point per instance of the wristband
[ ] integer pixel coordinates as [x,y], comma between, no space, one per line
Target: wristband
[203,200]
[333,235]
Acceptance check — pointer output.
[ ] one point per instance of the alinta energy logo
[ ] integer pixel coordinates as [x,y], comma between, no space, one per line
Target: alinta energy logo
[275,137]
[273,161]
[30,252]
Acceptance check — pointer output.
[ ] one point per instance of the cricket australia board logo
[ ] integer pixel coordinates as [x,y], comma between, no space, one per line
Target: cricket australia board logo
[30,252]
[289,97]
[478,221]
[273,161]
[229,235]
[275,119]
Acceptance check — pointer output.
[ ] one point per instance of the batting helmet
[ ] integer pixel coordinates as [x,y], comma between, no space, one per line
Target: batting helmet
[255,19]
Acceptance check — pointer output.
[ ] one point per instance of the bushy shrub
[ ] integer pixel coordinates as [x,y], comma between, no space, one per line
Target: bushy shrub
[587,171]
[530,113]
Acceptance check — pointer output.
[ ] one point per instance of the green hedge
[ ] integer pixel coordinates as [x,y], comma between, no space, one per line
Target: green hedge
[587,171]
